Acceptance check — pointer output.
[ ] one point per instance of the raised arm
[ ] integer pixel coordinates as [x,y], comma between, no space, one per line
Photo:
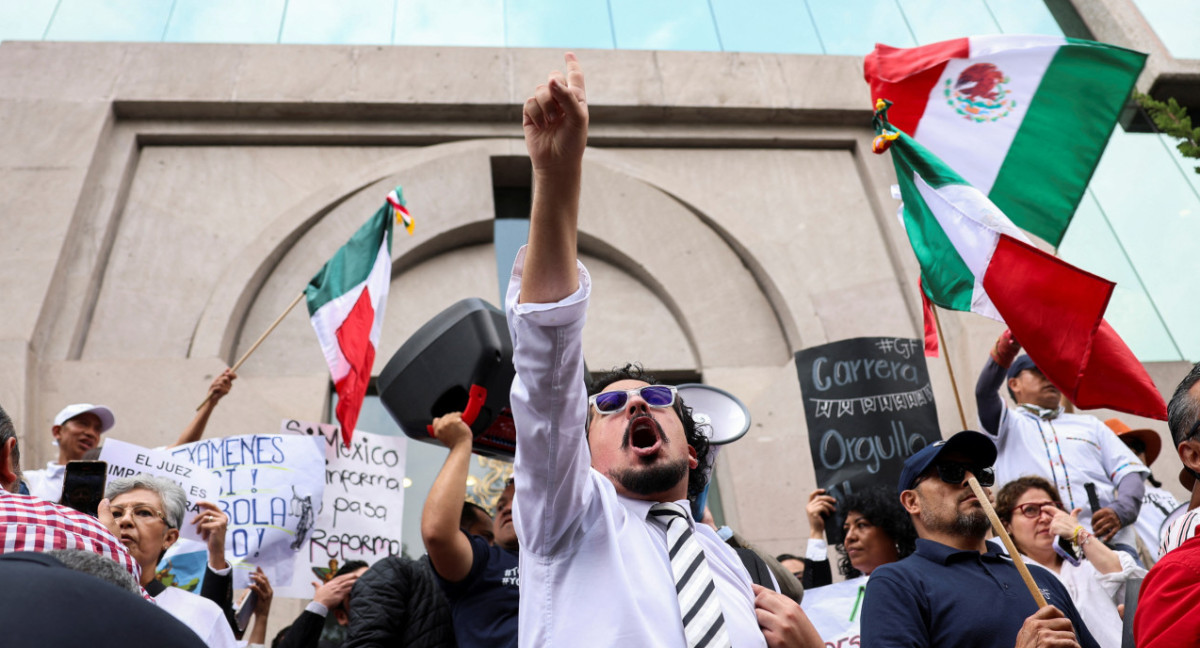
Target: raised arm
[555,121]
[987,396]
[448,547]
[195,430]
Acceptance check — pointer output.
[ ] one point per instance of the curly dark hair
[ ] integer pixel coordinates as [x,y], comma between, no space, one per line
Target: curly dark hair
[881,507]
[694,432]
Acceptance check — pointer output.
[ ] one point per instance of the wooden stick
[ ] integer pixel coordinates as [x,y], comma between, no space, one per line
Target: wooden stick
[937,322]
[998,527]
[257,342]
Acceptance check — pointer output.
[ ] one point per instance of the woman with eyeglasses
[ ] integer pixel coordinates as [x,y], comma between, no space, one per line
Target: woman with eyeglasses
[1095,576]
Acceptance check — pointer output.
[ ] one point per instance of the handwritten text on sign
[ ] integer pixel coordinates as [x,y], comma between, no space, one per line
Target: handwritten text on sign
[126,459]
[270,486]
[363,505]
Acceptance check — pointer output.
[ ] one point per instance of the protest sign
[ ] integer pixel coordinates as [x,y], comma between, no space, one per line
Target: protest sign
[869,406]
[270,486]
[835,611]
[126,459]
[362,509]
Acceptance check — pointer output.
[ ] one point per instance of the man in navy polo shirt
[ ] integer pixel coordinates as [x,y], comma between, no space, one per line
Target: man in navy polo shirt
[956,589]
[480,577]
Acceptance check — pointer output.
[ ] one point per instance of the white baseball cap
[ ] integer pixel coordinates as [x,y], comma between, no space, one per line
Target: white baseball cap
[107,420]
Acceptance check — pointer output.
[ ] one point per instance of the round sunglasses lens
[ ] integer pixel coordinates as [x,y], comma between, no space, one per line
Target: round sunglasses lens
[610,401]
[987,477]
[657,396]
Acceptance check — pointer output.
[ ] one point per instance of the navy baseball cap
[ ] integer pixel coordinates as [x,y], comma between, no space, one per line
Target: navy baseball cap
[1022,363]
[968,442]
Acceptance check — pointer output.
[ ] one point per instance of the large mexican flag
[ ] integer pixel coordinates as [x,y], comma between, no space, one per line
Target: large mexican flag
[346,302]
[1022,118]
[973,258]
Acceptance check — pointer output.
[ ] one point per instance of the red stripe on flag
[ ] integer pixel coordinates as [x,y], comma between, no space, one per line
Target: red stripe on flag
[931,334]
[1056,311]
[354,339]
[907,76]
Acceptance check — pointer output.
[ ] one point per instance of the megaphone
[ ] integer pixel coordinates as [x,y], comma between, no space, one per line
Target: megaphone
[727,417]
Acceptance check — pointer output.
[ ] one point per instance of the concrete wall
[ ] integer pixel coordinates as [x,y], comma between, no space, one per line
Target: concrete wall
[163,203]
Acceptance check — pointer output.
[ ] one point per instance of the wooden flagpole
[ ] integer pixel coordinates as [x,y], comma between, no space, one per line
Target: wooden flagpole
[257,342]
[997,525]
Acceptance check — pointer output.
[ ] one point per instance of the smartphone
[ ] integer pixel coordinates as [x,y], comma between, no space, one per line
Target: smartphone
[1065,549]
[83,485]
[245,610]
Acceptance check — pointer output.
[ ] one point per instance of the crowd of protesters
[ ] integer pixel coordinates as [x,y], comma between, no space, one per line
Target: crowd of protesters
[595,540]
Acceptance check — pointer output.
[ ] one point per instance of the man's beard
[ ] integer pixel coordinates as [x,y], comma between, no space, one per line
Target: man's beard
[650,480]
[972,524]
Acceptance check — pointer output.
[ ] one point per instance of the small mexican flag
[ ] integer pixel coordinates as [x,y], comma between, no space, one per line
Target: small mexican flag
[1023,118]
[346,302]
[974,259]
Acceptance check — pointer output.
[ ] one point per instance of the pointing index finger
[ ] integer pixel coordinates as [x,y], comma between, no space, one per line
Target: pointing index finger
[574,72]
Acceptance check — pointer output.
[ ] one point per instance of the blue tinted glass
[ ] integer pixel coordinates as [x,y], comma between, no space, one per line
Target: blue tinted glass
[1154,210]
[363,22]
[1023,17]
[1091,245]
[225,21]
[558,24]
[936,20]
[780,26]
[478,23]
[25,20]
[1174,22]
[854,26]
[664,25]
[110,20]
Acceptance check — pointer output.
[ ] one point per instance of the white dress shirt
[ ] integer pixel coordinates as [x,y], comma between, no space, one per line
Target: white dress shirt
[1068,451]
[1096,595]
[46,484]
[594,570]
[198,613]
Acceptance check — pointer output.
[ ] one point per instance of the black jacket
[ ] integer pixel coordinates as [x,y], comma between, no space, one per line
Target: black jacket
[398,603]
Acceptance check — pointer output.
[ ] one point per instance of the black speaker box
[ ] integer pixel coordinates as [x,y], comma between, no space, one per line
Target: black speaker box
[459,361]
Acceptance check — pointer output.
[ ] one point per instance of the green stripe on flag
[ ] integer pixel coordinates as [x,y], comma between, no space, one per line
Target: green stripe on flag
[948,281]
[1065,132]
[352,263]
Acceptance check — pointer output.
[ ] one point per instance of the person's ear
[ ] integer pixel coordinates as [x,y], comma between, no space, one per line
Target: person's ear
[910,502]
[1013,384]
[1189,454]
[57,432]
[693,462]
[8,465]
[169,538]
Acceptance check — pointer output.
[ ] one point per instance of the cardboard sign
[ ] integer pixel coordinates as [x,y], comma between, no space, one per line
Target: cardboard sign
[869,406]
[363,505]
[835,611]
[270,486]
[127,459]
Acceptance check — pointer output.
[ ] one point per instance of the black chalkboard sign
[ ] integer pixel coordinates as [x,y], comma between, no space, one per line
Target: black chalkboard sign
[869,406]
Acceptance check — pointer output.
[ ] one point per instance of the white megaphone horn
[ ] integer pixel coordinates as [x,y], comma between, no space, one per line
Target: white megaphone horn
[725,416]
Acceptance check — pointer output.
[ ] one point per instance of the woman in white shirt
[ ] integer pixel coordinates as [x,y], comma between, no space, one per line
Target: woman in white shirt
[1032,511]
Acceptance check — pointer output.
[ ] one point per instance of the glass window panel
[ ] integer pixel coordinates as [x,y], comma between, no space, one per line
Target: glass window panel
[664,25]
[933,21]
[1090,245]
[110,20]
[1174,21]
[1023,17]
[225,21]
[363,22]
[1154,210]
[558,24]
[780,26]
[478,23]
[25,20]
[854,26]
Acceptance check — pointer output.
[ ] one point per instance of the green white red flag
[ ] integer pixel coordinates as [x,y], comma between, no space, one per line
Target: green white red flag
[1022,118]
[346,303]
[973,258]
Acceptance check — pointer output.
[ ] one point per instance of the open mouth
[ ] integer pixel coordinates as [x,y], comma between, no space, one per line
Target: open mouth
[643,435]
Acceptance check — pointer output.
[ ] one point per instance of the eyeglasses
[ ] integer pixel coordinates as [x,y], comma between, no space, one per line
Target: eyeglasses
[659,396]
[953,472]
[139,513]
[1034,509]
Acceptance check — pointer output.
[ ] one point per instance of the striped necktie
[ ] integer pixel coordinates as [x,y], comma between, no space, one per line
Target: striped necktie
[703,624]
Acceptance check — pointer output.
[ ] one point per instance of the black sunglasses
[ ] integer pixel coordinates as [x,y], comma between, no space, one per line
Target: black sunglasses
[953,472]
